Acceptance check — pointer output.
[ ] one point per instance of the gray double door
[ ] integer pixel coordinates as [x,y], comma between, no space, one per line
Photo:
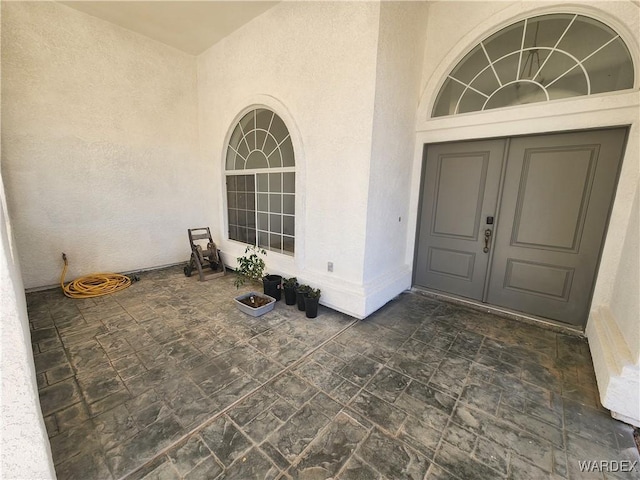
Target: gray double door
[519,222]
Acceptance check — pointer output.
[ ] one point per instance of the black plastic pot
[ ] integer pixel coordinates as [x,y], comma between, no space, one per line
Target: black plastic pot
[300,300]
[272,285]
[290,295]
[311,307]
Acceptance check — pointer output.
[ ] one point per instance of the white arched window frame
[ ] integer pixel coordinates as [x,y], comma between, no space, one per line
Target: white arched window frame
[260,182]
[540,58]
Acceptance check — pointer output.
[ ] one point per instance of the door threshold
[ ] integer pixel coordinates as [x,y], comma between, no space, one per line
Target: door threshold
[546,323]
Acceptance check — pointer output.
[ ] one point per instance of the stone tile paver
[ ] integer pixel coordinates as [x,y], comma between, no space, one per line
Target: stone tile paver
[167,380]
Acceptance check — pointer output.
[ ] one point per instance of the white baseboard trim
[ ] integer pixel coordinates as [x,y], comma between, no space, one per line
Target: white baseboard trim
[349,297]
[617,375]
[361,301]
[385,288]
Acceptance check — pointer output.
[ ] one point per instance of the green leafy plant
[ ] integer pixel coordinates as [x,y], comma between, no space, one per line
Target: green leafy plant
[290,282]
[303,289]
[251,266]
[313,293]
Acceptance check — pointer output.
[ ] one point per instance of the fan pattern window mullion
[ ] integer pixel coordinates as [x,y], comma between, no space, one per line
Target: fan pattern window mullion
[260,172]
[558,56]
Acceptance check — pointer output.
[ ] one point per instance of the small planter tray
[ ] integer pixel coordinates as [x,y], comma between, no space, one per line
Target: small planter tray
[254,311]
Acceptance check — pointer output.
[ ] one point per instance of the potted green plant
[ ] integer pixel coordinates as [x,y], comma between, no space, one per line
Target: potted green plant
[252,266]
[311,299]
[301,291]
[290,285]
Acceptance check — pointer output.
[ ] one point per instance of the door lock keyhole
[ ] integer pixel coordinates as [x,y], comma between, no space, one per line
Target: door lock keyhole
[487,240]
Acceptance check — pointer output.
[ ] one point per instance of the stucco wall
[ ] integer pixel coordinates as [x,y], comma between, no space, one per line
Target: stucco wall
[314,63]
[99,144]
[444,30]
[24,445]
[625,301]
[399,66]
[614,320]
[614,333]
[449,38]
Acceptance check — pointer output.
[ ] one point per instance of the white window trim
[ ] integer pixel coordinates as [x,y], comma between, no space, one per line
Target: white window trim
[509,16]
[277,262]
[491,64]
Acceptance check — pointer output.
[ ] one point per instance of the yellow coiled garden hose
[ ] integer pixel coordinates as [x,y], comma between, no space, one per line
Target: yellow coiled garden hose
[93,285]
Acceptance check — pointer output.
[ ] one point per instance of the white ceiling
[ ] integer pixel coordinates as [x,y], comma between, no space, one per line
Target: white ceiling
[190,26]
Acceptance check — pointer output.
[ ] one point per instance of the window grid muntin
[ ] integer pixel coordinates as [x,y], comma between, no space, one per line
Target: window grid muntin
[265,234]
[579,63]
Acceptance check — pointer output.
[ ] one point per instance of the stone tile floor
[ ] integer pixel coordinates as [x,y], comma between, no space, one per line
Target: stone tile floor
[167,380]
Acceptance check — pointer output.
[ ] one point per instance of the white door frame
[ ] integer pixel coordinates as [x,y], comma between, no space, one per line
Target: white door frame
[611,109]
[618,386]
[618,109]
[579,113]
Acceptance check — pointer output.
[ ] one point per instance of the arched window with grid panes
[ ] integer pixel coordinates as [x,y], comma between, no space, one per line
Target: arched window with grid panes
[260,178]
[538,59]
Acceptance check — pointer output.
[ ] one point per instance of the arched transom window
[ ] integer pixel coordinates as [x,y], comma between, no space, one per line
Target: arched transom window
[260,174]
[535,60]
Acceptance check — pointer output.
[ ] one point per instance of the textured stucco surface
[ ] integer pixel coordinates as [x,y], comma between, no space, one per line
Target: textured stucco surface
[113,144]
[614,332]
[625,302]
[398,69]
[24,447]
[191,27]
[316,63]
[99,144]
[449,37]
[617,373]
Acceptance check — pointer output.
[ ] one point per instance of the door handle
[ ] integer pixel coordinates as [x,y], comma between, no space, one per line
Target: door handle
[487,240]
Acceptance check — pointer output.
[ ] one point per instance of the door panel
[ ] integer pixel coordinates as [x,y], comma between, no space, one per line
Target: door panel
[555,203]
[461,184]
[456,216]
[554,180]
[538,279]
